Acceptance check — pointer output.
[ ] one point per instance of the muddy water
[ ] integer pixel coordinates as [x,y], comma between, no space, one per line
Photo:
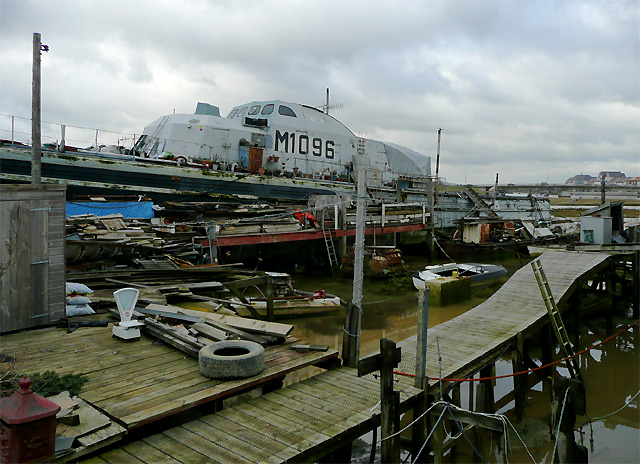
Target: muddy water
[611,371]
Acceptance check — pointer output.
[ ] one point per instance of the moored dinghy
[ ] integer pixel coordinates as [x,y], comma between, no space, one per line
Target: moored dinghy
[477,273]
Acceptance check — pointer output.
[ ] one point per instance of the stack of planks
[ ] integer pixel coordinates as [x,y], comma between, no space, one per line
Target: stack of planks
[114,227]
[190,330]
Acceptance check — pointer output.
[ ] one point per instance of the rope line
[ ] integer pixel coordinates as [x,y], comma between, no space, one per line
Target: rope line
[627,403]
[555,444]
[529,370]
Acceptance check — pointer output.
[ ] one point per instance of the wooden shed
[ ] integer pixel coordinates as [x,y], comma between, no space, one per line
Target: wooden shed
[32,255]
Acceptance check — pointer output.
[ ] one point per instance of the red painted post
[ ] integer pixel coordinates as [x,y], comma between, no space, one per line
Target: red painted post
[27,426]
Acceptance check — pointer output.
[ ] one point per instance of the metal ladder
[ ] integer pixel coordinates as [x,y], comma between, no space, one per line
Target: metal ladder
[328,241]
[154,136]
[537,210]
[479,203]
[556,320]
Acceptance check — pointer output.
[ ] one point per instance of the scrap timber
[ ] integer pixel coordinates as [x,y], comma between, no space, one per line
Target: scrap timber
[305,422]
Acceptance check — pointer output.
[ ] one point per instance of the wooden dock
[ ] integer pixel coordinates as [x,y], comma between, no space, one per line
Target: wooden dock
[140,382]
[308,420]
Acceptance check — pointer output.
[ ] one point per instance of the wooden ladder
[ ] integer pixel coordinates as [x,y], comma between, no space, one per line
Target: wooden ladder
[328,241]
[556,320]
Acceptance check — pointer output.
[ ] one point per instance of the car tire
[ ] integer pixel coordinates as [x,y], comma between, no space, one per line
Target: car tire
[231,359]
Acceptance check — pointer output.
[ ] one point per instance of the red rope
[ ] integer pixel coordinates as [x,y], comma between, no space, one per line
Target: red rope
[527,371]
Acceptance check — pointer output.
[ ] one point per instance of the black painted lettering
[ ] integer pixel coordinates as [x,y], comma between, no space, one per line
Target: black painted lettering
[293,142]
[303,144]
[329,151]
[282,138]
[317,146]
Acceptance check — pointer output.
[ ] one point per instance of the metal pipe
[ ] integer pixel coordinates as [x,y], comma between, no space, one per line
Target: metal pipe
[435,197]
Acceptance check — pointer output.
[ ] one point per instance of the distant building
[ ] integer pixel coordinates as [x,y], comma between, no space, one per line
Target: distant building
[580,179]
[611,175]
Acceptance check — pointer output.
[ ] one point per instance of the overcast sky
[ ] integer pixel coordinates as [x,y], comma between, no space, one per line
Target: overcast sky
[534,90]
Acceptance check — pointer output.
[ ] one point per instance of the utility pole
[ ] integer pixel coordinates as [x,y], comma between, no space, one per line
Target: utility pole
[36,107]
[603,197]
[435,200]
[353,323]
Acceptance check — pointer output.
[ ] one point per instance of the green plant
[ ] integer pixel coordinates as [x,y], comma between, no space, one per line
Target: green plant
[47,383]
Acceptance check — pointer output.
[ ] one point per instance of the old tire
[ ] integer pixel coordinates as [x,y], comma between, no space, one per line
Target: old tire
[231,359]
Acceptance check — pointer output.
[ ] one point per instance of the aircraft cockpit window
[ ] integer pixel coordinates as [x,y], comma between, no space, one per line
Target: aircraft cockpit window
[233,113]
[267,109]
[242,112]
[286,111]
[254,110]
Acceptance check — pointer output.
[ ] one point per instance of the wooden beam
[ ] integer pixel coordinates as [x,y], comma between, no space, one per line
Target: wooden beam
[272,329]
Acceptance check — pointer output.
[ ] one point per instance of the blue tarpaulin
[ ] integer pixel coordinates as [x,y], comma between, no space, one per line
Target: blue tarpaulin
[134,209]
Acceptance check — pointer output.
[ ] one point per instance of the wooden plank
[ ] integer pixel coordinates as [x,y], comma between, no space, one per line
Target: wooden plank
[149,454]
[233,437]
[274,329]
[259,424]
[276,417]
[120,456]
[173,341]
[177,449]
[204,446]
[209,331]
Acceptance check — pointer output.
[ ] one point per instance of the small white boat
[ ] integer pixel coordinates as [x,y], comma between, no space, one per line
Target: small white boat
[477,273]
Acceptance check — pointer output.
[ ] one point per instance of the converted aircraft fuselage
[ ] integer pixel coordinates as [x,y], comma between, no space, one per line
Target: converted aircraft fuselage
[279,137]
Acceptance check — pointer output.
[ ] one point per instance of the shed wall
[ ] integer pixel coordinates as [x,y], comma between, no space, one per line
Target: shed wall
[32,255]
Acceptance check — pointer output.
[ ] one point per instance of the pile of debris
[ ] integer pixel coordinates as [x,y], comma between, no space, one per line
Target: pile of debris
[113,227]
[190,330]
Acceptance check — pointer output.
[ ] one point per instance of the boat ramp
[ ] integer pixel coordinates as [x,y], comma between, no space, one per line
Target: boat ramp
[318,418]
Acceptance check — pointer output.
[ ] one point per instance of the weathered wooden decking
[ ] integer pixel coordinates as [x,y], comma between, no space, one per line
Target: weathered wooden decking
[308,420]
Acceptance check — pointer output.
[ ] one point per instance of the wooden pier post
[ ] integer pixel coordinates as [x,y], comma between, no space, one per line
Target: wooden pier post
[390,420]
[487,399]
[610,284]
[418,431]
[519,381]
[351,338]
[269,295]
[385,362]
[455,399]
[635,284]
[563,418]
[546,350]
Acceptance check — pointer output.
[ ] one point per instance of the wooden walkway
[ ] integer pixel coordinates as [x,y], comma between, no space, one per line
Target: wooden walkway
[308,420]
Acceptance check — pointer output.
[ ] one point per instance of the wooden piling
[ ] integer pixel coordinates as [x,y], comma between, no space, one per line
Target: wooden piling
[390,420]
[269,295]
[437,440]
[421,344]
[455,399]
[567,400]
[418,431]
[635,284]
[519,381]
[610,283]
[546,349]
[351,336]
[488,399]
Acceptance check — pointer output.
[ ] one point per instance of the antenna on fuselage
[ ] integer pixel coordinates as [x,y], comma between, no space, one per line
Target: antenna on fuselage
[327,106]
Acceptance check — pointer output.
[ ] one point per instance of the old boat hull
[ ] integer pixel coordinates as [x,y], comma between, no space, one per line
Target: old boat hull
[289,307]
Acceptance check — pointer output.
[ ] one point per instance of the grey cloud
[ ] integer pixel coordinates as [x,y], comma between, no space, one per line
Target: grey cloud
[519,87]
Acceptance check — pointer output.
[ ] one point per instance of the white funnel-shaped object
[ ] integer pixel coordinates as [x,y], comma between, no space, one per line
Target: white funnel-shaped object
[126,299]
